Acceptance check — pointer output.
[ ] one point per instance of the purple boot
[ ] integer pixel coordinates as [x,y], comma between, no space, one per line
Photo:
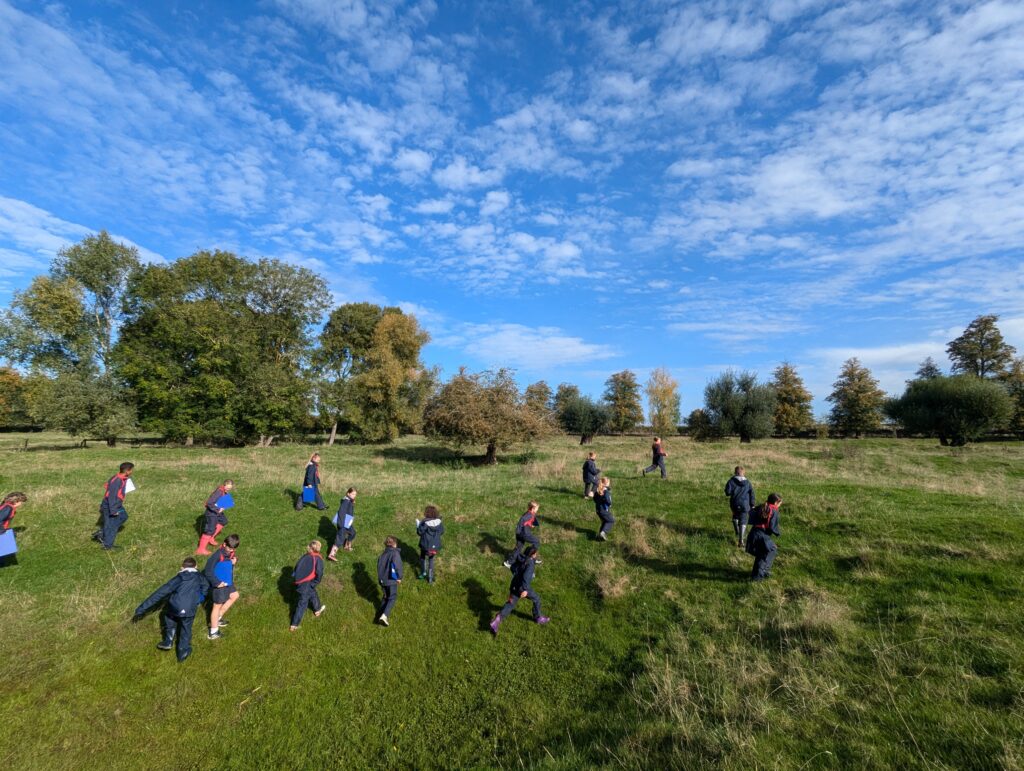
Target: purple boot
[542,619]
[494,625]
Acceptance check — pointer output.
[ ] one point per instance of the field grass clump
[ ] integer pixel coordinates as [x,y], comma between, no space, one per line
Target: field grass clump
[889,636]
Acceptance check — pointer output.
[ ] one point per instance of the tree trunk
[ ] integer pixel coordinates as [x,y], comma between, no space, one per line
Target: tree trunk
[334,434]
[744,439]
[492,454]
[943,440]
[111,441]
[189,440]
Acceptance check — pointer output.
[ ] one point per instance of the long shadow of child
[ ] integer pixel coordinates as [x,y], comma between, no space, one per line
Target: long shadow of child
[478,600]
[365,584]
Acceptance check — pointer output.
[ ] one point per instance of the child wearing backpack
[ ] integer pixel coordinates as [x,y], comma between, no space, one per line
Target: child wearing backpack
[308,573]
[184,594]
[389,575]
[764,523]
[603,504]
[741,501]
[522,576]
[429,529]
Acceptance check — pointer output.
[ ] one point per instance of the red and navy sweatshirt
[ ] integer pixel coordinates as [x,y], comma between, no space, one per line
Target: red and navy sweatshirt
[112,504]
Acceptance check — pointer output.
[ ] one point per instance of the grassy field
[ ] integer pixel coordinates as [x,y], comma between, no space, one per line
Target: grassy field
[891,634]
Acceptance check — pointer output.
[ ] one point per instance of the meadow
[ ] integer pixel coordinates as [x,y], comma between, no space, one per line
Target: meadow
[891,633]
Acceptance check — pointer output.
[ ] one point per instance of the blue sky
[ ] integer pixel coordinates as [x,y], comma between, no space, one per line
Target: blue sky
[565,189]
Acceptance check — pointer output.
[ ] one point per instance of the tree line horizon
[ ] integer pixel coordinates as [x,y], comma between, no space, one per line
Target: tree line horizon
[218,349]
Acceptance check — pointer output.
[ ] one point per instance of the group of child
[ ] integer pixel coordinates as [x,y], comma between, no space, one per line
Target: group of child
[183,594]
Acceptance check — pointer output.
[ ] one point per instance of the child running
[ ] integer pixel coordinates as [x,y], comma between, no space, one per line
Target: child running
[522,575]
[741,501]
[429,529]
[764,523]
[113,514]
[525,533]
[220,572]
[8,546]
[308,573]
[344,520]
[389,575]
[603,504]
[214,518]
[184,594]
[658,456]
[311,485]
[590,474]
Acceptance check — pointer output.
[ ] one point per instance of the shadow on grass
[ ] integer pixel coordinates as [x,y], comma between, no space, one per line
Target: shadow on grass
[410,554]
[286,588]
[364,584]
[683,569]
[478,600]
[725,532]
[571,491]
[327,531]
[590,533]
[294,496]
[199,525]
[445,456]
[489,544]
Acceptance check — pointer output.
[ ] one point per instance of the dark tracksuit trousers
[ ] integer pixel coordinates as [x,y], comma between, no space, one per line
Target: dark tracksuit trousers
[427,561]
[657,463]
[390,597]
[513,600]
[345,534]
[524,536]
[763,549]
[308,598]
[180,628]
[111,526]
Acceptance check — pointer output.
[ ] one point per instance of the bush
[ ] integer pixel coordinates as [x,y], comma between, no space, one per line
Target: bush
[957,409]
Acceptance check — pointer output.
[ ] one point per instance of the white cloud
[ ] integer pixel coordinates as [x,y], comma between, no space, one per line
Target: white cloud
[532,349]
[460,175]
[434,206]
[413,161]
[495,202]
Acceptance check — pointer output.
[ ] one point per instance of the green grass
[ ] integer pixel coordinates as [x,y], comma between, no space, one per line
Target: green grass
[890,635]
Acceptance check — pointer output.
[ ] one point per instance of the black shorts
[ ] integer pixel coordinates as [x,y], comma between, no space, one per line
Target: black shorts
[222,593]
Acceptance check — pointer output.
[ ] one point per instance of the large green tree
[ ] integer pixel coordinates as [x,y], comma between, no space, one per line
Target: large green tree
[663,401]
[622,395]
[582,415]
[538,398]
[484,408]
[957,409]
[1014,382]
[857,400]
[792,402]
[563,394]
[13,399]
[735,403]
[981,349]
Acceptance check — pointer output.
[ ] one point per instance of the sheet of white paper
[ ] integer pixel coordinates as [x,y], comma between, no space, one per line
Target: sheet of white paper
[129,486]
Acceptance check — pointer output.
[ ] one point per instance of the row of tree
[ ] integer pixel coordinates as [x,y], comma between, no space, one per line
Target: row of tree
[211,347]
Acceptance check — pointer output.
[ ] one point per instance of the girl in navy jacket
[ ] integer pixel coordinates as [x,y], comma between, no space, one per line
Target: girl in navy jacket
[311,485]
[603,504]
[389,575]
[308,573]
[429,529]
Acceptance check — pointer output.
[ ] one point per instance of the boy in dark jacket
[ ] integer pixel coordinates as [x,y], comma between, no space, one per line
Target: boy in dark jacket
[741,501]
[603,504]
[311,485]
[113,514]
[184,594]
[658,456]
[429,529]
[11,503]
[590,474]
[764,523]
[308,573]
[522,576]
[525,534]
[389,575]
[344,520]
[220,572]
[214,518]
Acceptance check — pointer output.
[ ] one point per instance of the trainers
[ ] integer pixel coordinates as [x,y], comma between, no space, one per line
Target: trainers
[292,628]
[538,561]
[507,564]
[383,620]
[494,625]
[164,646]
[602,536]
[421,576]
[183,656]
[223,622]
[319,612]
[542,619]
[214,635]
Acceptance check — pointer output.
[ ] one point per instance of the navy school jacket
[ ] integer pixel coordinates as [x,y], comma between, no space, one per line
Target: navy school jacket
[7,513]
[308,570]
[603,501]
[657,452]
[741,494]
[522,575]
[210,569]
[389,567]
[590,471]
[211,502]
[312,475]
[347,508]
[766,519]
[113,496]
[430,532]
[184,593]
[526,524]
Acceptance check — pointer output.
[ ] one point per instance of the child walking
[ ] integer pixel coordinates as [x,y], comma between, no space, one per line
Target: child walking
[389,575]
[522,576]
[214,518]
[184,594]
[525,528]
[658,456]
[429,529]
[311,485]
[741,501]
[113,514]
[764,523]
[220,572]
[8,546]
[308,573]
[344,520]
[590,474]
[603,504]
